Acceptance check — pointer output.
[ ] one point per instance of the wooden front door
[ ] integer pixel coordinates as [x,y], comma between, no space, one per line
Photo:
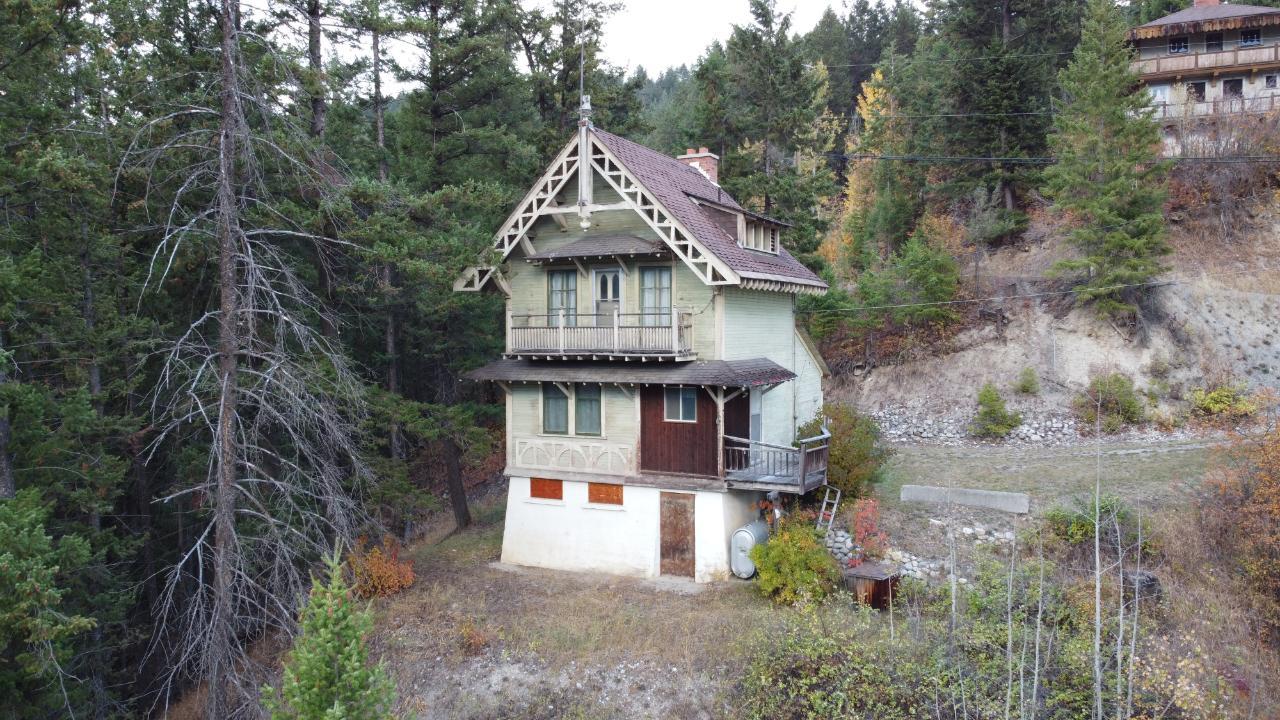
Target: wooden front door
[676,510]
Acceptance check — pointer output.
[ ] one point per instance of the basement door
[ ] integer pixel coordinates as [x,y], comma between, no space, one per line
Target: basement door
[676,511]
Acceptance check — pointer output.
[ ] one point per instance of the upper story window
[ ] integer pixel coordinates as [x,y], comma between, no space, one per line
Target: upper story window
[1213,42]
[655,296]
[1179,45]
[680,404]
[759,236]
[1250,37]
[562,295]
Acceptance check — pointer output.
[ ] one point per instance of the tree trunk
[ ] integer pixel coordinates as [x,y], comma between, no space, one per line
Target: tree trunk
[224,498]
[7,487]
[393,366]
[457,491]
[316,64]
[378,120]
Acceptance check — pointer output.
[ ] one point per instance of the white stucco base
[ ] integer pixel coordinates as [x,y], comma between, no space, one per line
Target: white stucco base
[572,534]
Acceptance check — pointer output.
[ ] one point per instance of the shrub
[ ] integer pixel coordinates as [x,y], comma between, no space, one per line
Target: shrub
[1242,515]
[855,458]
[1028,382]
[327,672]
[379,572]
[1074,526]
[993,419]
[1115,395]
[795,565]
[866,528]
[1224,401]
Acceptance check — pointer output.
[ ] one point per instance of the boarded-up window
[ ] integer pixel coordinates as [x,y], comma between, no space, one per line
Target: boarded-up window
[604,494]
[546,489]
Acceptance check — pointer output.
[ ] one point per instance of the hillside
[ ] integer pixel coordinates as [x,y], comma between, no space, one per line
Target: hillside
[1216,319]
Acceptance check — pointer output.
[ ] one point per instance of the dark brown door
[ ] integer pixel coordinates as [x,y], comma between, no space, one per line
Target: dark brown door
[677,447]
[677,534]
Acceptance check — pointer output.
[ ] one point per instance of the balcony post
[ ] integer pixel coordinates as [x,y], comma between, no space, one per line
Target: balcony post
[510,328]
[616,331]
[560,332]
[675,330]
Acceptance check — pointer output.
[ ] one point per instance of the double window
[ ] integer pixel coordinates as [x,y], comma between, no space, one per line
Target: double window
[1250,38]
[1179,45]
[562,295]
[655,296]
[585,417]
[681,404]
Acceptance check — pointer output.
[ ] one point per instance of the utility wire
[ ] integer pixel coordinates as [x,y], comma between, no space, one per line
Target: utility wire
[934,61]
[1223,160]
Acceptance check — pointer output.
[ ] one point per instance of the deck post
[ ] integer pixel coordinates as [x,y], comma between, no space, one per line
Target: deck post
[560,332]
[675,330]
[510,327]
[616,330]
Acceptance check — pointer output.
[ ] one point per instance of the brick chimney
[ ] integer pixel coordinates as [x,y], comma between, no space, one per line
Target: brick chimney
[1207,3]
[705,161]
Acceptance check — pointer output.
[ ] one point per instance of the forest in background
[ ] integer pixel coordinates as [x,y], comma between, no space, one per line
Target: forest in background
[228,339]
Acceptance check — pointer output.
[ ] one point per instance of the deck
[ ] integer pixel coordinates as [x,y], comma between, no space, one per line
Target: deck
[607,336]
[756,465]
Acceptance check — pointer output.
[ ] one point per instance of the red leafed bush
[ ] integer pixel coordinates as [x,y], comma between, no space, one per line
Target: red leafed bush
[866,528]
[379,572]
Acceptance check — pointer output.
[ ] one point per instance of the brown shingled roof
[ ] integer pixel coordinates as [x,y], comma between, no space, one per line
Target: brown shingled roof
[1207,18]
[718,373]
[673,182]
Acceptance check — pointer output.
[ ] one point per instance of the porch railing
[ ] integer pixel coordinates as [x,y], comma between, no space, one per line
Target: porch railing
[1183,63]
[1259,105]
[803,468]
[666,333]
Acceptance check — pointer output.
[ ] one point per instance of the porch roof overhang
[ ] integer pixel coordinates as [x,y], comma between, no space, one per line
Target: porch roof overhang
[755,372]
[602,246]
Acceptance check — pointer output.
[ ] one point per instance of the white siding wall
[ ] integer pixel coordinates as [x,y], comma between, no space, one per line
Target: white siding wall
[762,324]
[613,453]
[572,534]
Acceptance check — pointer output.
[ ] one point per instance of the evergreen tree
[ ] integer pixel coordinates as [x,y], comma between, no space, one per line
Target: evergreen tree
[1108,176]
[327,673]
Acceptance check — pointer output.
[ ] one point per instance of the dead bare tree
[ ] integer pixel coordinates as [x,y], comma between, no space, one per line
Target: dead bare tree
[250,380]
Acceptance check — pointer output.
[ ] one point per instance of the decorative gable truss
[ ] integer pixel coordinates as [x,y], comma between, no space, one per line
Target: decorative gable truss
[709,268]
[540,202]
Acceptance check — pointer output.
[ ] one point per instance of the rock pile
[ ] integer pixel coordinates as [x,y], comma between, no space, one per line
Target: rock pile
[907,425]
[840,544]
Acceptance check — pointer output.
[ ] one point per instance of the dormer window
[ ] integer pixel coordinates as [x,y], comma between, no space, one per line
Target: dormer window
[758,236]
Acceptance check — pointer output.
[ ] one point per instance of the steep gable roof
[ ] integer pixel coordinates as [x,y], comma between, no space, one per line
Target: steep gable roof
[675,185]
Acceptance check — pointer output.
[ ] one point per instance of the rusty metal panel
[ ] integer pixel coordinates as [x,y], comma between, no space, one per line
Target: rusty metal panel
[676,512]
[604,493]
[546,489]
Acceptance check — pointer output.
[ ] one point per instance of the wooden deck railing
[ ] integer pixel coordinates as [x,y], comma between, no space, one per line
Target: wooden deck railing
[1227,106]
[1183,63]
[664,334]
[791,469]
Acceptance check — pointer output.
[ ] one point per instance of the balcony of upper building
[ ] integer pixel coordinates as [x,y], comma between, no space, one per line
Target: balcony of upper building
[612,297]
[1180,57]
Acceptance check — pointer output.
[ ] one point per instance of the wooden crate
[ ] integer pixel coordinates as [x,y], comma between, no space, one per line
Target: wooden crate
[873,583]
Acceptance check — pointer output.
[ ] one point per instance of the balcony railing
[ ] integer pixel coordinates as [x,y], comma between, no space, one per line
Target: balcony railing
[1194,63]
[1227,106]
[661,335]
[755,464]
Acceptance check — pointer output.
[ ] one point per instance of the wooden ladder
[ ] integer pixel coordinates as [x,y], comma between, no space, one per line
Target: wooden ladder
[827,515]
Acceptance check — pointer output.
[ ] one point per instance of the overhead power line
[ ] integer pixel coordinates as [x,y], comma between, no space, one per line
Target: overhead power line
[1225,160]
[934,61]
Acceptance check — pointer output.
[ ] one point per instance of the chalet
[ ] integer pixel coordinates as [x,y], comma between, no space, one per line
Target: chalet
[1211,60]
[654,375]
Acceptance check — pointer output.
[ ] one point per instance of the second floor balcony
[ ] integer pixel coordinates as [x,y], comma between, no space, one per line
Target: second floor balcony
[1201,63]
[1194,109]
[662,335]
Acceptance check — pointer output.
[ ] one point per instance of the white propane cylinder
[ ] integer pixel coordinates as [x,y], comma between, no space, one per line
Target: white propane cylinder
[740,544]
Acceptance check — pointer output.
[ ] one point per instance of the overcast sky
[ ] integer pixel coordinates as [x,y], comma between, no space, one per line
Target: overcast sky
[659,34]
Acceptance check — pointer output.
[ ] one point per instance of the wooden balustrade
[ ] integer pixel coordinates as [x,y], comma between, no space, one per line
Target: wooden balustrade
[790,469]
[1183,63]
[664,334]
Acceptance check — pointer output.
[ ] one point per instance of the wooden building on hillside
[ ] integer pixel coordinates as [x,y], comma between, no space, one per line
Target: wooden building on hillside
[654,375]
[1210,61]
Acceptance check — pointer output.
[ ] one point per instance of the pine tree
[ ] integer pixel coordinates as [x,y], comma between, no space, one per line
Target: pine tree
[327,674]
[1108,176]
